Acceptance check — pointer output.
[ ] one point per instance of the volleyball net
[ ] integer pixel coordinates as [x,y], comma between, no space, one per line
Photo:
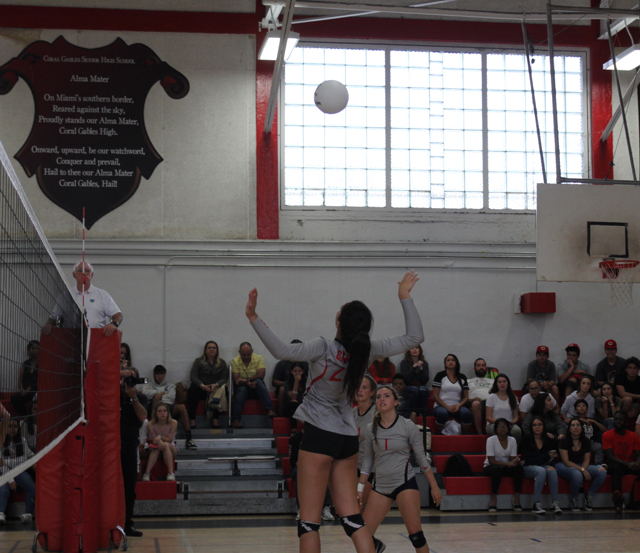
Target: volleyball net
[41,336]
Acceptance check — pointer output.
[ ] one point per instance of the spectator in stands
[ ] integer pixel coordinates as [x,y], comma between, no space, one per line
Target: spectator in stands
[502,460]
[382,370]
[415,369]
[248,372]
[607,405]
[543,371]
[294,450]
[479,388]
[294,389]
[526,403]
[125,357]
[572,370]
[610,366]
[15,451]
[388,445]
[28,380]
[628,387]
[208,373]
[543,407]
[162,430]
[407,407]
[281,375]
[363,415]
[575,465]
[538,452]
[451,394]
[592,430]
[502,403]
[585,392]
[158,390]
[622,449]
[28,428]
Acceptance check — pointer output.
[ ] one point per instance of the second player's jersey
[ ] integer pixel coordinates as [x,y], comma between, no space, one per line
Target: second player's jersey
[362,421]
[391,453]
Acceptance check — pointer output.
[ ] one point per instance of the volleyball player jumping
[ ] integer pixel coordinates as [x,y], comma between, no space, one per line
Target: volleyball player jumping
[329,449]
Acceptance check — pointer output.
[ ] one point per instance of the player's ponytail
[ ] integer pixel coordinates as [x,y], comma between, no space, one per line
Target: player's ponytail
[355,323]
[375,422]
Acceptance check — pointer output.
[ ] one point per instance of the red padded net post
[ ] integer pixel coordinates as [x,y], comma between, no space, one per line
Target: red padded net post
[80,489]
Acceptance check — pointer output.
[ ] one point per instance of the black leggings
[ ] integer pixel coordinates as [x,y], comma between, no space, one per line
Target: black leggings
[618,472]
[194,396]
[496,472]
[289,411]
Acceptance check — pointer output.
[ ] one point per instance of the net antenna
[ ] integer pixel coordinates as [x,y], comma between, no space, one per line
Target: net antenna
[36,307]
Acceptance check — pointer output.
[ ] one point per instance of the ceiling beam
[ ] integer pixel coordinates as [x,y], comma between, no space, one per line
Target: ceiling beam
[277,70]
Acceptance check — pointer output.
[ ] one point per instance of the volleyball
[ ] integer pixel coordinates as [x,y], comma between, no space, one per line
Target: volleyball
[331,97]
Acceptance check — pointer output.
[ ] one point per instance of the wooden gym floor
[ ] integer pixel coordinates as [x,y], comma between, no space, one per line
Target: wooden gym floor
[451,532]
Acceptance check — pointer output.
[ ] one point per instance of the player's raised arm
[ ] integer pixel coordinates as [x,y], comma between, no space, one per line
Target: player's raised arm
[250,310]
[406,284]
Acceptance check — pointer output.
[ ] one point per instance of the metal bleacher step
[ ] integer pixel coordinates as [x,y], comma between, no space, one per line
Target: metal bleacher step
[233,471]
[235,487]
[241,465]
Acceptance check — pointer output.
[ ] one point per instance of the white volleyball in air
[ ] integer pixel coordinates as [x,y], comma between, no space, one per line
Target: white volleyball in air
[331,97]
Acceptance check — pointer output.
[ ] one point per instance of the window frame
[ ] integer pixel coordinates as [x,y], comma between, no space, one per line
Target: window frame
[388,212]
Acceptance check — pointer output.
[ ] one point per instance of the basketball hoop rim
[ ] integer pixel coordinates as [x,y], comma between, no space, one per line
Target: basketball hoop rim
[617,265]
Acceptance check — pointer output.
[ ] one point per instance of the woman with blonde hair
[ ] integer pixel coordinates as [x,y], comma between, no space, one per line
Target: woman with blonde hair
[389,440]
[208,373]
[162,433]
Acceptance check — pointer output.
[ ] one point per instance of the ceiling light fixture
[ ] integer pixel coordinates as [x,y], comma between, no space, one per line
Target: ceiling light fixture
[271,43]
[627,60]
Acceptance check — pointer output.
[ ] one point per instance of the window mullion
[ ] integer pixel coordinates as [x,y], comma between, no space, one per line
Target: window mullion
[387,122]
[485,135]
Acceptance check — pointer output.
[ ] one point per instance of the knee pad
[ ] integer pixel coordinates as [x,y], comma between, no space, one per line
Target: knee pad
[418,540]
[352,523]
[304,527]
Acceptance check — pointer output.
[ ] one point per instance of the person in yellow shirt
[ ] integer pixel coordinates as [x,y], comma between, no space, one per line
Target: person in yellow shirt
[248,370]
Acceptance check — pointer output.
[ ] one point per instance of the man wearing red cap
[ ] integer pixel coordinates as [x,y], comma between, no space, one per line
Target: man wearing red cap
[543,371]
[610,366]
[571,371]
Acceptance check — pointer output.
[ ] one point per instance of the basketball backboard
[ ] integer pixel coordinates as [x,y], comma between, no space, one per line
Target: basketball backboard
[580,225]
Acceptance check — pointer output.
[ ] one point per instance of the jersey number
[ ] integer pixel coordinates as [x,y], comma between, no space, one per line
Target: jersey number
[335,374]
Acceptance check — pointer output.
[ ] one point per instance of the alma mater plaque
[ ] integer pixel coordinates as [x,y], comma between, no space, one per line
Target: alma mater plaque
[88,145]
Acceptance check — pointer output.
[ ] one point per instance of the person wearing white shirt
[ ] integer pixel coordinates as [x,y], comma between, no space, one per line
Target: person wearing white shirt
[479,389]
[502,460]
[502,403]
[102,311]
[526,402]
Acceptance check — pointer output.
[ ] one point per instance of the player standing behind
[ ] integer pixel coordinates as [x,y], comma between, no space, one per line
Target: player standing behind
[329,449]
[363,415]
[388,441]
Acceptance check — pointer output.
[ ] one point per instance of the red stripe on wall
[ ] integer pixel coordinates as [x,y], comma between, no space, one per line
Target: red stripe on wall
[39,17]
[267,207]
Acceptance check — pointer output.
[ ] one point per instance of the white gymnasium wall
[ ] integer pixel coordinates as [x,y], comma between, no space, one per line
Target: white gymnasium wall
[175,296]
[205,187]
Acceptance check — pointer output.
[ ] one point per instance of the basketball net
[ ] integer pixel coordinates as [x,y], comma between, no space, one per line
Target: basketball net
[620,276]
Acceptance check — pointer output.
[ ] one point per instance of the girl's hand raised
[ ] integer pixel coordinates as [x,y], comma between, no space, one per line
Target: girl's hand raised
[406,284]
[250,310]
